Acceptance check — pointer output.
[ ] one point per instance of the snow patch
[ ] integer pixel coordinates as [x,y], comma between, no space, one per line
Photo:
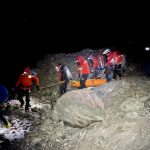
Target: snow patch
[17,131]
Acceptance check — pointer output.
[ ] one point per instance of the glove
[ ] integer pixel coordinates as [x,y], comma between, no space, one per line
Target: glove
[15,89]
[2,106]
[61,82]
[38,88]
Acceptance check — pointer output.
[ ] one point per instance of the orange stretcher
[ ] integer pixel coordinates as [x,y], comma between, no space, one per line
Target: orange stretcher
[89,82]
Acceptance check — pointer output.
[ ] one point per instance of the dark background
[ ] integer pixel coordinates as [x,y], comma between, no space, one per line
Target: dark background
[28,36]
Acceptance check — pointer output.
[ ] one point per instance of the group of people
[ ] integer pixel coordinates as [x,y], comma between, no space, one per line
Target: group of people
[23,87]
[109,63]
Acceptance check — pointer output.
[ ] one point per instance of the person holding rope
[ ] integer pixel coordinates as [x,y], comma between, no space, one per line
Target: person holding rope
[64,75]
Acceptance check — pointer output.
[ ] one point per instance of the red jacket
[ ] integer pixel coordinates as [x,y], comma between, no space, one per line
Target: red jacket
[26,80]
[83,66]
[114,58]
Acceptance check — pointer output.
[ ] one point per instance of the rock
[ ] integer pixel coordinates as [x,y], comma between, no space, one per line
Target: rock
[77,110]
[131,105]
[147,103]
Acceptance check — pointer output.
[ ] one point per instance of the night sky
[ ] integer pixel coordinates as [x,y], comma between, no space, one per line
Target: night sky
[29,36]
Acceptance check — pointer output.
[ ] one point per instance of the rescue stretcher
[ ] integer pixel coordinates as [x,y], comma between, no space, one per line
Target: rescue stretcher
[89,82]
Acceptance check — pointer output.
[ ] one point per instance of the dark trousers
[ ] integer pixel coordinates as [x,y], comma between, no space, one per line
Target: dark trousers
[21,94]
[117,71]
[2,118]
[63,87]
[83,78]
[109,73]
[96,73]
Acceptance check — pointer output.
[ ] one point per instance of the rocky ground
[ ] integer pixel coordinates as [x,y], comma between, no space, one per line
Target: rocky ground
[123,123]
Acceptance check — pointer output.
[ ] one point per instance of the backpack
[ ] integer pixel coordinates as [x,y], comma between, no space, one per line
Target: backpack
[3,94]
[33,72]
[68,73]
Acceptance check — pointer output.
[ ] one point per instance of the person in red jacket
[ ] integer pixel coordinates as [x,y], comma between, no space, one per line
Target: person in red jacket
[83,70]
[114,60]
[24,86]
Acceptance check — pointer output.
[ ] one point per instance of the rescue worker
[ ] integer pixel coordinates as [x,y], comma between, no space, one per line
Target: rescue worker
[102,63]
[114,60]
[83,70]
[24,86]
[3,100]
[64,75]
[95,65]
[102,60]
[98,64]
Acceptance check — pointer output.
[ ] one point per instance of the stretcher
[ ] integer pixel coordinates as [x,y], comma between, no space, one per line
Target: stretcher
[89,83]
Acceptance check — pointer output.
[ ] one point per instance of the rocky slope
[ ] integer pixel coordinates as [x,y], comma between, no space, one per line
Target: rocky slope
[123,125]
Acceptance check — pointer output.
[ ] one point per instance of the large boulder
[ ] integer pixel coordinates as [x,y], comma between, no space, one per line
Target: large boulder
[79,108]
[124,134]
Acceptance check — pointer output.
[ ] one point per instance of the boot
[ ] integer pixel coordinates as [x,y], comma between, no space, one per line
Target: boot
[8,125]
[27,108]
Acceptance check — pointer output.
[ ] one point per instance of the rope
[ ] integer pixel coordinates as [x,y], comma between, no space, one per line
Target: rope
[50,86]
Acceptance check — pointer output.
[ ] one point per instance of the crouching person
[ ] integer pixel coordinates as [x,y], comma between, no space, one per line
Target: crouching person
[3,100]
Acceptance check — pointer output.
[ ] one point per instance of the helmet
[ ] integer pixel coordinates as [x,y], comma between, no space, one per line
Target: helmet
[33,72]
[58,67]
[79,58]
[106,51]
[26,69]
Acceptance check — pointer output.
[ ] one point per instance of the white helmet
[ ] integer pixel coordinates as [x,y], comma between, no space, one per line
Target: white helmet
[106,51]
